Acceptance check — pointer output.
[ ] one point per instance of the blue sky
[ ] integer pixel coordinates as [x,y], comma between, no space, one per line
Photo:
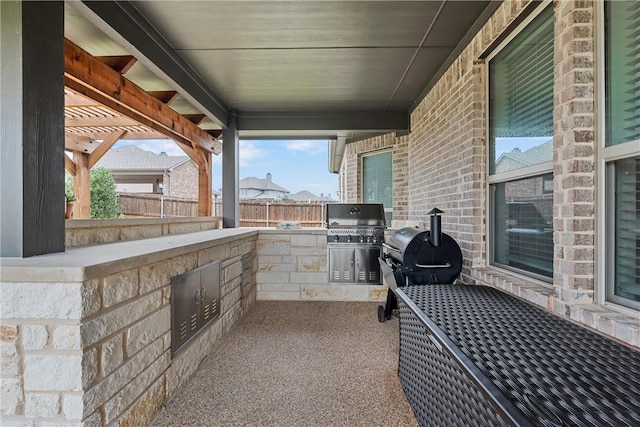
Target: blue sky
[295,165]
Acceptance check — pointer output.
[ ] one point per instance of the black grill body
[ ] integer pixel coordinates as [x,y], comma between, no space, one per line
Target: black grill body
[417,261]
[416,256]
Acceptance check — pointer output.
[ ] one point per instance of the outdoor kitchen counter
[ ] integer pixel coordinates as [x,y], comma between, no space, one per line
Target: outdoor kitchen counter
[476,356]
[88,262]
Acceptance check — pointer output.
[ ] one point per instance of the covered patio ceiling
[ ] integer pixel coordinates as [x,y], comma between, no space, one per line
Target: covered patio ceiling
[306,69]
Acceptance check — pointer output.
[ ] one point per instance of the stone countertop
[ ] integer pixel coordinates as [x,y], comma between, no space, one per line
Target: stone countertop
[87,262]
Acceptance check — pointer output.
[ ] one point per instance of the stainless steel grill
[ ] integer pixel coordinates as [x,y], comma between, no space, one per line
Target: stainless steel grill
[355,233]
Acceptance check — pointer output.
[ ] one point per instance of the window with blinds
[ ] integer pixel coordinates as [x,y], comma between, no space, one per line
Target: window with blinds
[622,71]
[520,136]
[377,181]
[621,151]
[521,98]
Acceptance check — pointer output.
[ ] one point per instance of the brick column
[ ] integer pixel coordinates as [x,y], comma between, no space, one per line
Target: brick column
[574,155]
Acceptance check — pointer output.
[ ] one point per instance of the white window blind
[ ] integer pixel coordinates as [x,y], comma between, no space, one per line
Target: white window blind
[521,97]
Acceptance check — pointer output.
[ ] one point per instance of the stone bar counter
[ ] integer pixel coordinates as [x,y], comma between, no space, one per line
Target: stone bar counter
[85,335]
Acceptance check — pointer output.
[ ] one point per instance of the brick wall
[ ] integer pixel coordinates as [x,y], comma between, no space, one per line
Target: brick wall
[182,181]
[351,171]
[446,167]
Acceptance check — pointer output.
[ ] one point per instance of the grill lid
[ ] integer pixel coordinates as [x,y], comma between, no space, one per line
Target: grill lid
[355,215]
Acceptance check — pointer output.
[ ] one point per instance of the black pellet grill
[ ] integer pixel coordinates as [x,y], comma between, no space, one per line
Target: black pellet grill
[415,256]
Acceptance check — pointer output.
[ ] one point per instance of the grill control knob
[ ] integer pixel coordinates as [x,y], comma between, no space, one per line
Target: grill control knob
[336,238]
[349,239]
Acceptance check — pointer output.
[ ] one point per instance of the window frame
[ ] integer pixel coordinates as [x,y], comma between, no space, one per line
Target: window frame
[513,175]
[605,183]
[387,210]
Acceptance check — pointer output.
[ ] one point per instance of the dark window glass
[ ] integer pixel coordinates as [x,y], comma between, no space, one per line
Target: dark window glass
[523,228]
[377,181]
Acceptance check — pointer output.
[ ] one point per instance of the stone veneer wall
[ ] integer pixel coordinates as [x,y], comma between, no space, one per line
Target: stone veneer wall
[83,232]
[447,167]
[91,346]
[292,265]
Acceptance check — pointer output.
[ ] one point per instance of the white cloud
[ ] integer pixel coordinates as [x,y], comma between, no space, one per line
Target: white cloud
[309,147]
[249,151]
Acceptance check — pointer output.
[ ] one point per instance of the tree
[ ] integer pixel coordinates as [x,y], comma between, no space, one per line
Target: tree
[104,200]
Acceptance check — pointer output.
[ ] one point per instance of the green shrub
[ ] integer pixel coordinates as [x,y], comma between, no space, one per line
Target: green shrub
[104,199]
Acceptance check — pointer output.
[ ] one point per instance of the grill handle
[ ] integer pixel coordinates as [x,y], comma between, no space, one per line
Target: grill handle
[391,248]
[445,265]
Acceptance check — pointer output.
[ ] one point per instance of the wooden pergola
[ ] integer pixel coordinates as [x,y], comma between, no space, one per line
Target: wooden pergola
[102,107]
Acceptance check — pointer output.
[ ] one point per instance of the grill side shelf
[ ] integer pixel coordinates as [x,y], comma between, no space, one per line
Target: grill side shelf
[504,408]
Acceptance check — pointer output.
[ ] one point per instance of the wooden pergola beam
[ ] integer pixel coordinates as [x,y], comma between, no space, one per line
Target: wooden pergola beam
[93,79]
[164,96]
[69,165]
[196,119]
[79,143]
[119,63]
[102,149]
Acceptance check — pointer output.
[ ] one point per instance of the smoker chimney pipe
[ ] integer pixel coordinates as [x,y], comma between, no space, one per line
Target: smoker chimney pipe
[435,232]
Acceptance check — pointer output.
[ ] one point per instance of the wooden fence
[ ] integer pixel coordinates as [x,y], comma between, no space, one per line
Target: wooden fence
[252,213]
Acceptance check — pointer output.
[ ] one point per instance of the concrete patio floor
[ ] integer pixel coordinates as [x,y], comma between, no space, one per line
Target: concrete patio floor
[298,364]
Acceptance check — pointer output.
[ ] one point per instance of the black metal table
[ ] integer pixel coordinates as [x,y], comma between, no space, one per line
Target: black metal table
[473,355]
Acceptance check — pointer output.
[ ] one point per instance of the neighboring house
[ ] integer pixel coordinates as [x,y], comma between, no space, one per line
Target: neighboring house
[307,196]
[517,158]
[139,171]
[263,189]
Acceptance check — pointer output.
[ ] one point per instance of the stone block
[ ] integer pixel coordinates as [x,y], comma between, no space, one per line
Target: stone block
[230,318]
[41,405]
[272,277]
[34,337]
[279,287]
[72,406]
[43,372]
[66,337]
[290,295]
[90,370]
[115,406]
[91,297]
[232,271]
[220,252]
[146,407]
[309,278]
[155,276]
[119,287]
[140,232]
[8,333]
[378,293]
[277,267]
[112,321]
[111,355]
[309,250]
[109,386]
[334,292]
[12,397]
[273,247]
[9,359]
[312,263]
[230,300]
[303,240]
[41,300]
[148,330]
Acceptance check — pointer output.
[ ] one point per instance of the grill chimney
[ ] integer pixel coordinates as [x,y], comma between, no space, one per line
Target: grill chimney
[435,233]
